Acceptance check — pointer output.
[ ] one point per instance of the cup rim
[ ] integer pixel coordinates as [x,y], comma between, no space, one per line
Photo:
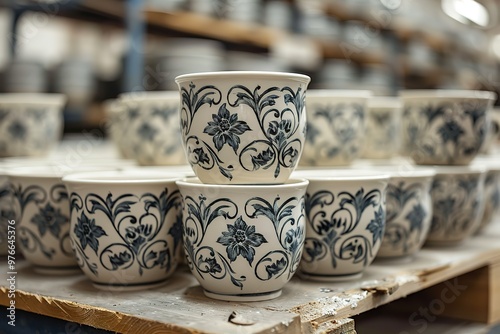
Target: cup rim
[194,182]
[389,102]
[340,93]
[33,98]
[396,171]
[120,177]
[458,169]
[341,175]
[447,93]
[243,74]
[148,96]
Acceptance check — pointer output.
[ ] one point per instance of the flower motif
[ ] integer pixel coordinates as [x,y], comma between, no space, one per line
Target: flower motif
[17,130]
[377,224]
[226,128]
[416,217]
[451,131]
[51,219]
[147,132]
[212,266]
[88,233]
[280,131]
[202,157]
[240,240]
[137,236]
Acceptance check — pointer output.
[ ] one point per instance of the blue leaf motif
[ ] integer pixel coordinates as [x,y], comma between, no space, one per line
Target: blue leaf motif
[276,268]
[377,225]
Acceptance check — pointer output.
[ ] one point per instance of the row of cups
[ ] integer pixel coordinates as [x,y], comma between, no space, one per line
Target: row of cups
[128,227]
[247,222]
[247,127]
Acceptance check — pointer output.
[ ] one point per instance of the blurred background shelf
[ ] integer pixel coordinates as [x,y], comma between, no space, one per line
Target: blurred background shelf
[454,282]
[102,48]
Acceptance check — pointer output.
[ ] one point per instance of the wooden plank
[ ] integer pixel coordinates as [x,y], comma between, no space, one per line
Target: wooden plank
[209,27]
[494,306]
[304,307]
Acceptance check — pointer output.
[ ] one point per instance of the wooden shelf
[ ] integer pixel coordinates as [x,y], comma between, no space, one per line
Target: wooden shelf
[304,307]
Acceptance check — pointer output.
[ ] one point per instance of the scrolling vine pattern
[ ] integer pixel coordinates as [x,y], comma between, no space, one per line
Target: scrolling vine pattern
[242,239]
[137,241]
[48,218]
[278,147]
[334,233]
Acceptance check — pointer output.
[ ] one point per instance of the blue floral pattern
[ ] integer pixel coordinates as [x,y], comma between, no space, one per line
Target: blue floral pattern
[241,239]
[334,132]
[403,231]
[49,218]
[456,206]
[276,143]
[443,131]
[335,233]
[141,241]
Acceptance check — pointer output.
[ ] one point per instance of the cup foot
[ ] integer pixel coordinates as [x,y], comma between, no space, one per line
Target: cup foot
[329,278]
[58,271]
[129,287]
[250,297]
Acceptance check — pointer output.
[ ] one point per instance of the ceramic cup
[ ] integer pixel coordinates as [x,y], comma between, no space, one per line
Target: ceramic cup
[345,212]
[126,227]
[445,127]
[335,126]
[491,189]
[41,211]
[151,128]
[243,127]
[243,242]
[30,124]
[409,210]
[490,144]
[457,203]
[383,128]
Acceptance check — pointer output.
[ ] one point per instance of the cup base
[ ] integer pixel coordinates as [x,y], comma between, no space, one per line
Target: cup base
[57,271]
[329,278]
[129,287]
[250,297]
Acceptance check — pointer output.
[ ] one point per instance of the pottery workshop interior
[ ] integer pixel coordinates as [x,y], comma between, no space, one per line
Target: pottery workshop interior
[250,166]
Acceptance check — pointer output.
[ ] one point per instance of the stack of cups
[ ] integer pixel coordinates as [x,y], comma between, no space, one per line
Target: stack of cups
[243,216]
[447,129]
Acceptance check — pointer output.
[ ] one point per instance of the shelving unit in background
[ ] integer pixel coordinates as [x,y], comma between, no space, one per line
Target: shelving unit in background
[260,38]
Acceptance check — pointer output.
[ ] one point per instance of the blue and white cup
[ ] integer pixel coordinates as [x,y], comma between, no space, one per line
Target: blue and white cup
[445,127]
[243,242]
[147,128]
[346,213]
[335,126]
[243,127]
[458,201]
[126,227]
[30,124]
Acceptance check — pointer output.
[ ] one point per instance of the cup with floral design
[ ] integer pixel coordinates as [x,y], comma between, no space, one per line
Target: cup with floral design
[458,202]
[41,212]
[243,242]
[243,127]
[383,128]
[335,126]
[149,130]
[30,124]
[491,189]
[445,127]
[345,212]
[408,210]
[126,227]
